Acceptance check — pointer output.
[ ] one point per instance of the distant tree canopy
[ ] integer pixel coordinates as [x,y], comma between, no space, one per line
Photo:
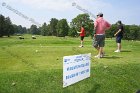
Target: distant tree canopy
[132,32]
[34,30]
[44,30]
[81,19]
[19,29]
[53,28]
[62,28]
[6,27]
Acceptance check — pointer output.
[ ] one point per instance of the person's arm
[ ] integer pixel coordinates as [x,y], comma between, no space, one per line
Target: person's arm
[94,30]
[94,33]
[79,32]
[118,32]
[108,25]
[120,29]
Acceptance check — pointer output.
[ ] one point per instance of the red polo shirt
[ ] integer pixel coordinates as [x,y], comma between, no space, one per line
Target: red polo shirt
[82,32]
[101,25]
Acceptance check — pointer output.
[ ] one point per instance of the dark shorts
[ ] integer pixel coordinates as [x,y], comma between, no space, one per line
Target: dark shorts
[118,39]
[99,41]
[82,38]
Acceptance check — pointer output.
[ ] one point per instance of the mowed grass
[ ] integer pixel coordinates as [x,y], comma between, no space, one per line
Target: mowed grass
[35,66]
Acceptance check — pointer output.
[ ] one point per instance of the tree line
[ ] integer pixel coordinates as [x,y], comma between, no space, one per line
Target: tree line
[62,28]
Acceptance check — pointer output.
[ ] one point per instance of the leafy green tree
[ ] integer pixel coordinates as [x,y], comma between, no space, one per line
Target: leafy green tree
[127,32]
[138,33]
[6,27]
[49,33]
[2,22]
[62,28]
[34,30]
[20,30]
[72,32]
[53,24]
[44,30]
[15,28]
[24,29]
[133,32]
[81,19]
[9,29]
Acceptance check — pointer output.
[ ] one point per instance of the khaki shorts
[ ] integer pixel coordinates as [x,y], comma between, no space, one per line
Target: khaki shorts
[99,41]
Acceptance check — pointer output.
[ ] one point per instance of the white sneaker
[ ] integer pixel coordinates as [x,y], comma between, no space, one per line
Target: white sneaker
[98,56]
[103,54]
[81,46]
[117,51]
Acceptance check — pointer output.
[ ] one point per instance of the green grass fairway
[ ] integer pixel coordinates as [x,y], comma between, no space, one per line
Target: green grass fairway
[35,66]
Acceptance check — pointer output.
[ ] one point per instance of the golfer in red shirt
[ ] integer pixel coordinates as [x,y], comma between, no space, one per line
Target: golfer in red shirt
[100,26]
[82,35]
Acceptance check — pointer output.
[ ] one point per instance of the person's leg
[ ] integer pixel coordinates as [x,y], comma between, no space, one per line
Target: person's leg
[96,43]
[101,46]
[119,46]
[118,41]
[97,48]
[82,40]
[100,51]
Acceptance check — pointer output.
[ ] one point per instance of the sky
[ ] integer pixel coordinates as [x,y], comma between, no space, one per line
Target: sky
[28,12]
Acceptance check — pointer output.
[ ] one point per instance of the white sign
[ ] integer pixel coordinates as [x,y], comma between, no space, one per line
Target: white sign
[75,68]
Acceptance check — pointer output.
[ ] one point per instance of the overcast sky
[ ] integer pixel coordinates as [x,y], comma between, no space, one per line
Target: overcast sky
[28,12]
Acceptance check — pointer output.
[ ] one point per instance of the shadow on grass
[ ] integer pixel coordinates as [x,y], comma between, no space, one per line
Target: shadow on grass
[138,91]
[66,90]
[126,51]
[95,88]
[112,57]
